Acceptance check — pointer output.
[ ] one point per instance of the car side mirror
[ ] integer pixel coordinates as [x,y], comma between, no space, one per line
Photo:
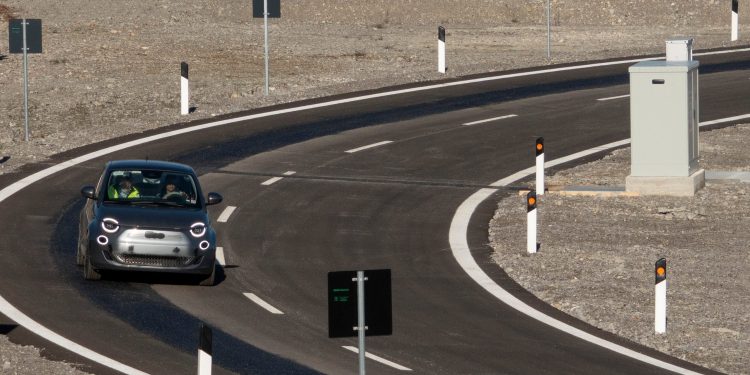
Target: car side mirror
[214,198]
[88,192]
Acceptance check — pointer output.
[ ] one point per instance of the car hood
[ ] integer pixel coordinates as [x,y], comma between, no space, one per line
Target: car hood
[153,217]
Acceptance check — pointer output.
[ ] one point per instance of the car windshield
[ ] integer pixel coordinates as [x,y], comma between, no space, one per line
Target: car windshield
[151,187]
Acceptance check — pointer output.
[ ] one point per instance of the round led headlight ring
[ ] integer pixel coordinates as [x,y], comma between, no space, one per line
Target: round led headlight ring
[110,225]
[198,230]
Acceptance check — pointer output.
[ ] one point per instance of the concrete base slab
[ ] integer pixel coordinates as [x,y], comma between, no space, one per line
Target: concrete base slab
[674,186]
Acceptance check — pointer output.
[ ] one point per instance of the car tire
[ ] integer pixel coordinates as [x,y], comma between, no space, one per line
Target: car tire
[80,254]
[211,279]
[89,273]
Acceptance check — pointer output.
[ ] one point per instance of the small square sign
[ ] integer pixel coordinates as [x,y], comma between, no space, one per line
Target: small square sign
[274,8]
[33,35]
[342,303]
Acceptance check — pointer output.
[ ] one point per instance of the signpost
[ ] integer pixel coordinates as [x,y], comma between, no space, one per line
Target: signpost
[265,9]
[359,304]
[25,36]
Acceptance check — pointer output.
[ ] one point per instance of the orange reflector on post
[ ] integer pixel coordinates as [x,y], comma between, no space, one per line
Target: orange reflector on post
[660,270]
[539,146]
[530,201]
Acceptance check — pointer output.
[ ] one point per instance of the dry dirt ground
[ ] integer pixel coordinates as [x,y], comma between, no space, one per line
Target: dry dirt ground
[596,261]
[111,68]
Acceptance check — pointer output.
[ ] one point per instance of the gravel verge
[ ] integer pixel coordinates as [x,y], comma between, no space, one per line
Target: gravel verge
[596,261]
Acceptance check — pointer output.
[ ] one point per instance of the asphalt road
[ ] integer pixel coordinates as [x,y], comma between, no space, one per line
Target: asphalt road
[387,206]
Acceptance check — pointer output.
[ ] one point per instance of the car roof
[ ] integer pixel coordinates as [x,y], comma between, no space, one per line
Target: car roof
[149,164]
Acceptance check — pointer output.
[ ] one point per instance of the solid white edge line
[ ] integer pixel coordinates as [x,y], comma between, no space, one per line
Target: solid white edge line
[462,253]
[489,120]
[16,315]
[368,147]
[260,302]
[271,181]
[224,217]
[25,321]
[613,98]
[220,256]
[378,359]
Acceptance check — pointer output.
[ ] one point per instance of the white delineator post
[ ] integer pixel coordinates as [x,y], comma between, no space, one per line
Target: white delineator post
[735,19]
[660,312]
[539,166]
[184,89]
[441,49]
[205,342]
[531,203]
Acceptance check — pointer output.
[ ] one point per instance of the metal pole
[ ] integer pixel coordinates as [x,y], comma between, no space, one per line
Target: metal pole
[361,319]
[25,82]
[548,30]
[265,30]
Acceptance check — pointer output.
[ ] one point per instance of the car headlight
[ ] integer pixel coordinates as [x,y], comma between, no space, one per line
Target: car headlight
[198,230]
[110,225]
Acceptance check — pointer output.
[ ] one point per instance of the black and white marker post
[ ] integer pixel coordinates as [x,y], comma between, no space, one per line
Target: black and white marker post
[735,19]
[531,245]
[205,342]
[184,89]
[441,49]
[539,166]
[660,312]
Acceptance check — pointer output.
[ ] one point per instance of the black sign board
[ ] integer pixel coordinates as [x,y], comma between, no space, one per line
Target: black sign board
[342,303]
[33,35]
[274,8]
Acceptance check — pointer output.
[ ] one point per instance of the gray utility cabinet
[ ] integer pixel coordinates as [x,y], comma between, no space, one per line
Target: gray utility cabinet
[664,118]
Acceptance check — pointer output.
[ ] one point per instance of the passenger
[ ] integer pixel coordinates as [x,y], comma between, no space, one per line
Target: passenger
[123,189]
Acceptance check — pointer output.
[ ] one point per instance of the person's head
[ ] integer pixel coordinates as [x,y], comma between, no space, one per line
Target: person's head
[170,186]
[126,183]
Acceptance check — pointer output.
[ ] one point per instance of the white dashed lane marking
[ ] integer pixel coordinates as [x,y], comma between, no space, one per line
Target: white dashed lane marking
[613,98]
[488,120]
[378,359]
[276,179]
[260,302]
[368,146]
[220,256]
[224,217]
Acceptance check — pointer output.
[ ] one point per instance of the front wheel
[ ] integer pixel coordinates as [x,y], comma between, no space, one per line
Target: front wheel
[89,273]
[211,279]
[80,254]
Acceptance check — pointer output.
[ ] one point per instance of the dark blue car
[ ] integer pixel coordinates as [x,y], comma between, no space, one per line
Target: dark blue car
[146,215]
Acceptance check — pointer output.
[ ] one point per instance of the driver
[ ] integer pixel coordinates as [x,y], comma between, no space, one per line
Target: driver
[171,191]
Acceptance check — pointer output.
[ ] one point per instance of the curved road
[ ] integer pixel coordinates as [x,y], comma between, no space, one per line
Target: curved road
[375,184]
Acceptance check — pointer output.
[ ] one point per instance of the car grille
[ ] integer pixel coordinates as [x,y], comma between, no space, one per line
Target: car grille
[156,261]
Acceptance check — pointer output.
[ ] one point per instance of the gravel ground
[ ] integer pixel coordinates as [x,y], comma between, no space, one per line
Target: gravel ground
[111,68]
[704,239]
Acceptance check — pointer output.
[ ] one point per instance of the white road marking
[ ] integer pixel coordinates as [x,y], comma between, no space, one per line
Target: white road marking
[271,181]
[224,217]
[260,302]
[462,253]
[378,359]
[613,98]
[276,179]
[368,146]
[488,120]
[24,320]
[220,256]
[723,120]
